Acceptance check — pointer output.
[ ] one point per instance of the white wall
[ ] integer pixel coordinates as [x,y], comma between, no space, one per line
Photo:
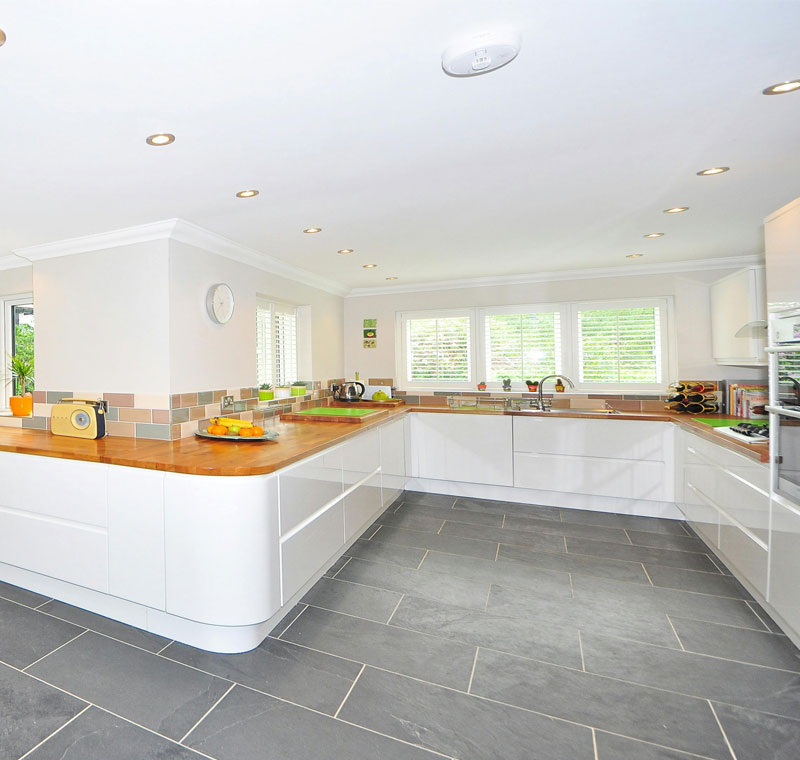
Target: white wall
[689,289]
[17,280]
[102,320]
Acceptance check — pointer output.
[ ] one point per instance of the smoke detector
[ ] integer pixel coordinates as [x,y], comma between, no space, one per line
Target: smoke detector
[481,53]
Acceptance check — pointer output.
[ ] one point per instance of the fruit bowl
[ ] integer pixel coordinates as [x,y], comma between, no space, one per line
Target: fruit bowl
[269,435]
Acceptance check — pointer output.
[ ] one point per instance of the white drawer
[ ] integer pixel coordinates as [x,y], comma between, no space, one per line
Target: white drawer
[308,486]
[698,503]
[784,588]
[393,460]
[754,472]
[362,506]
[742,553]
[360,456]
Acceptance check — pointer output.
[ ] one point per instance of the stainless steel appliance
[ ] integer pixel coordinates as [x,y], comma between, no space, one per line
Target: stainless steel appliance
[349,391]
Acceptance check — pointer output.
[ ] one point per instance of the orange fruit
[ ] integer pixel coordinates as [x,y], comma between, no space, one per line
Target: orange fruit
[213,429]
[246,432]
[257,430]
[221,430]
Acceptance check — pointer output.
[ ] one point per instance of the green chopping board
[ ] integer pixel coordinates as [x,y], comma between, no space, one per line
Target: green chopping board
[327,411]
[713,422]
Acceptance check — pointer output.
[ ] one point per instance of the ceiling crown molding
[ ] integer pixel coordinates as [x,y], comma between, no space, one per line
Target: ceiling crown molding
[13,262]
[632,270]
[183,232]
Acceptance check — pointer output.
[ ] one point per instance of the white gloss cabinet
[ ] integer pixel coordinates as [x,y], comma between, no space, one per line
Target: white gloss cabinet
[736,300]
[393,459]
[784,588]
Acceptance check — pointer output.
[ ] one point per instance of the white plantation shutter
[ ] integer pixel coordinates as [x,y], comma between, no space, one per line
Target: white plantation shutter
[438,350]
[620,346]
[276,343]
[522,346]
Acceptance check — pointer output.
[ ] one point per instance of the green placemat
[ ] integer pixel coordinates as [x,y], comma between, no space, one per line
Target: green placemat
[328,411]
[713,422]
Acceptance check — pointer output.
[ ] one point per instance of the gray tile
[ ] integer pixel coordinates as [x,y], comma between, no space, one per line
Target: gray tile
[668,557]
[636,711]
[448,663]
[433,499]
[153,431]
[508,508]
[109,627]
[53,397]
[27,635]
[336,566]
[353,599]
[665,541]
[451,544]
[205,397]
[391,554]
[460,725]
[37,423]
[652,627]
[441,587]
[30,711]
[98,735]
[634,522]
[247,725]
[312,679]
[546,583]
[142,687]
[613,747]
[412,520]
[578,530]
[760,648]
[21,595]
[287,620]
[632,572]
[540,640]
[541,541]
[770,624]
[460,515]
[692,580]
[755,736]
[751,686]
[649,600]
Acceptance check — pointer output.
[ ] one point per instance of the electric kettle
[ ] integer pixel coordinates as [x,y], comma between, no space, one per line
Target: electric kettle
[349,391]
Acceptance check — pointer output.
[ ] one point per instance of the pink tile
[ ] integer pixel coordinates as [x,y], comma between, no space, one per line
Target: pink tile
[119,399]
[121,429]
[174,432]
[188,399]
[197,412]
[175,401]
[39,397]
[161,416]
[624,405]
[135,415]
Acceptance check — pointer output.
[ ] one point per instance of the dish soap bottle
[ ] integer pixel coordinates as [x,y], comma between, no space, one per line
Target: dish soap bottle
[559,385]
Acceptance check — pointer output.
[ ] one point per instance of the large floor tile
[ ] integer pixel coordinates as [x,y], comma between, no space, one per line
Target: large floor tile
[21,595]
[97,735]
[578,530]
[542,640]
[30,711]
[448,663]
[287,620]
[634,522]
[756,736]
[547,583]
[300,675]
[632,572]
[666,541]
[459,725]
[751,686]
[637,711]
[668,557]
[614,747]
[353,599]
[420,497]
[27,635]
[247,725]
[693,580]
[760,648]
[507,508]
[109,627]
[451,544]
[540,541]
[412,520]
[439,586]
[764,617]
[157,693]
[446,513]
[391,554]
[336,566]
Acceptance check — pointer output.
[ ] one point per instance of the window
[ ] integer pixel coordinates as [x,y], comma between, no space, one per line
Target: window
[602,345]
[276,342]
[16,339]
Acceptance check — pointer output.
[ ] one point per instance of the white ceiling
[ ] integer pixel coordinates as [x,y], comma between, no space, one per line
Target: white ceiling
[340,114]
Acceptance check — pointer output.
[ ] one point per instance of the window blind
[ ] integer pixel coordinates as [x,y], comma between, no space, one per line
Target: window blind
[276,343]
[522,346]
[620,345]
[438,349]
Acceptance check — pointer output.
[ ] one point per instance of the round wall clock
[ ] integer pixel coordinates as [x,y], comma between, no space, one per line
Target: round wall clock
[219,303]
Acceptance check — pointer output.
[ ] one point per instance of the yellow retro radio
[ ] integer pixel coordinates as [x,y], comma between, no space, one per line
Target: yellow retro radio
[79,418]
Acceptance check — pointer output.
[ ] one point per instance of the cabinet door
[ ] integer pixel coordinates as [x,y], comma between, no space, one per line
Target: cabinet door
[309,485]
[743,553]
[784,588]
[361,456]
[393,460]
[362,506]
[472,448]
[736,300]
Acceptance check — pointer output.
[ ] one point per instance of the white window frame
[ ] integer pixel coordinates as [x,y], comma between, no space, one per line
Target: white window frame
[569,346]
[274,304]
[6,303]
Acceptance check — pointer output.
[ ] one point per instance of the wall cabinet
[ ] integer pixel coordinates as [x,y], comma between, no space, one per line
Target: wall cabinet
[736,300]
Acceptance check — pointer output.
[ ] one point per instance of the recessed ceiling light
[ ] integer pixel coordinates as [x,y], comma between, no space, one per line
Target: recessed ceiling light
[634,256]
[2,38]
[163,138]
[345,250]
[712,171]
[369,266]
[676,210]
[246,193]
[391,278]
[312,230]
[782,88]
[654,235]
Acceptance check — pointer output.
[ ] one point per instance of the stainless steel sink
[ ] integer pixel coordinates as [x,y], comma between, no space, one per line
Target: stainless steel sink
[570,412]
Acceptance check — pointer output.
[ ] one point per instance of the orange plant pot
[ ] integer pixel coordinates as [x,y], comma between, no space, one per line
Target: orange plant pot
[21,406]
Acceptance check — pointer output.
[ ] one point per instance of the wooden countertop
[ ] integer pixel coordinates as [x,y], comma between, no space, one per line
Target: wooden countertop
[298,440]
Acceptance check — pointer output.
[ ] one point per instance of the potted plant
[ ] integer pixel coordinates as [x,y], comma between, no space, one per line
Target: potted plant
[283,391]
[533,385]
[298,388]
[22,371]
[265,392]
[482,385]
[506,383]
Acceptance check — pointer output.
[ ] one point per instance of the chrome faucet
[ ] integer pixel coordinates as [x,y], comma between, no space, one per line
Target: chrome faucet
[542,407]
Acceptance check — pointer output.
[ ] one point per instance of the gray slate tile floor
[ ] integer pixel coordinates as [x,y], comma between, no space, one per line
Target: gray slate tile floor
[454,628]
